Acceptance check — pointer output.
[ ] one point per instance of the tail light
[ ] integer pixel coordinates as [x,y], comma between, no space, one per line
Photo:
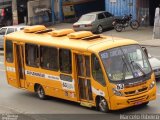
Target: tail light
[76,26]
[3,13]
[88,25]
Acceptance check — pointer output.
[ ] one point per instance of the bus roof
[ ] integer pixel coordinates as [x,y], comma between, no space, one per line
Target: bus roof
[95,45]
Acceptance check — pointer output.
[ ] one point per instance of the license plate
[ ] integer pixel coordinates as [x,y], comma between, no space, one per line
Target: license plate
[81,25]
[138,103]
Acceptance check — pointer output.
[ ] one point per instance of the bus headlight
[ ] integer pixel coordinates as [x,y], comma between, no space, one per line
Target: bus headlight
[152,85]
[116,92]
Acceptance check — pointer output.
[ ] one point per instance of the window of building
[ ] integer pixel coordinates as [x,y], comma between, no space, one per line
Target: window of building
[49,58]
[32,55]
[65,61]
[9,51]
[97,71]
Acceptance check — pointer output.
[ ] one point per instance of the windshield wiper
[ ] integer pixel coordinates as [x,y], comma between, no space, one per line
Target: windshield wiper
[139,68]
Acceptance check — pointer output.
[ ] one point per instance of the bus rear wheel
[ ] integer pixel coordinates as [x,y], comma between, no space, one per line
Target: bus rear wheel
[40,92]
[102,105]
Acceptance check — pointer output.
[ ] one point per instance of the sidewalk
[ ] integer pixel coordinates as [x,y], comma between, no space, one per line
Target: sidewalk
[153,43]
[143,35]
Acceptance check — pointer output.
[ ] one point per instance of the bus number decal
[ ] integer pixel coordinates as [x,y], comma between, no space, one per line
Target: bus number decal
[67,85]
[120,86]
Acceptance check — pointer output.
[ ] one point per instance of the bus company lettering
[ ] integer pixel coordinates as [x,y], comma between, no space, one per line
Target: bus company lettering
[35,74]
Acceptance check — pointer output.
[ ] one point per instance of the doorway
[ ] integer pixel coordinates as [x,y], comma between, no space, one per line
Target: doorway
[153,4]
[83,77]
[22,11]
[20,64]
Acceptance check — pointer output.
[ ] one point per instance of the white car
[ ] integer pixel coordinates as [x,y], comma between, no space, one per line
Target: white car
[6,30]
[155,64]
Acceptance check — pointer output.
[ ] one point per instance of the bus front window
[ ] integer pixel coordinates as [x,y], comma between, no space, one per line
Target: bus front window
[126,62]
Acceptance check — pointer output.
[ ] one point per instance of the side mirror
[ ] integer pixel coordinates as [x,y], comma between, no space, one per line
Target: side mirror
[145,51]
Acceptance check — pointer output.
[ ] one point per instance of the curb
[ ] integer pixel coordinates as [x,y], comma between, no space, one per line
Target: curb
[150,45]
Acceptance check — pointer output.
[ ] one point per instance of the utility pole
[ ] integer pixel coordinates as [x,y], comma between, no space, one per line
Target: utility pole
[14,12]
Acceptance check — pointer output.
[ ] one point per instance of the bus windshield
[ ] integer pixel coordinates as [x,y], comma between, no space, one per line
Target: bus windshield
[126,62]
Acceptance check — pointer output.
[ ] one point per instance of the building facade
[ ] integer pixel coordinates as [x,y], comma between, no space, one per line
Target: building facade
[138,8]
[34,12]
[40,11]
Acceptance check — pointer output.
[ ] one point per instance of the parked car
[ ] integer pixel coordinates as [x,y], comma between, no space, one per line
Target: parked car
[155,64]
[6,30]
[94,21]
[6,16]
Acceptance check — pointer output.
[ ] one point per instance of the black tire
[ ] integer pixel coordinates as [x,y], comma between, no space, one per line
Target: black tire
[40,92]
[118,27]
[134,24]
[144,104]
[99,29]
[102,105]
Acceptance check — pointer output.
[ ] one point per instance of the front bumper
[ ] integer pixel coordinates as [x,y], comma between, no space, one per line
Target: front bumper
[117,102]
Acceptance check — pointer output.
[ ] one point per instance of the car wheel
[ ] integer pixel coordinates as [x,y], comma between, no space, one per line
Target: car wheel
[40,92]
[99,29]
[102,105]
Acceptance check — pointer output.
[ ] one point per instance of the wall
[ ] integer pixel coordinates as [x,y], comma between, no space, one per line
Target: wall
[121,7]
[34,18]
[5,3]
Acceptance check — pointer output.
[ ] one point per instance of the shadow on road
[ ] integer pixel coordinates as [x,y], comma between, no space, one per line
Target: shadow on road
[70,103]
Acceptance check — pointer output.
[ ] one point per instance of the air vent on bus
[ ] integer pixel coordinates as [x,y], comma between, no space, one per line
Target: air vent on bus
[92,37]
[62,32]
[33,29]
[80,34]
[44,31]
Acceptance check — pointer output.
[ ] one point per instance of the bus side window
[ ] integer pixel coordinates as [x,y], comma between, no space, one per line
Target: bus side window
[97,71]
[9,51]
[32,55]
[65,61]
[49,58]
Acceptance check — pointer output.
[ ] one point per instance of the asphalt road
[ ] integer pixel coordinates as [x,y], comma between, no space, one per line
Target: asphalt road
[21,102]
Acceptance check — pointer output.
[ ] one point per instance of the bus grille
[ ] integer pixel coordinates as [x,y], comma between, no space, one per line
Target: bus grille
[138,99]
[136,91]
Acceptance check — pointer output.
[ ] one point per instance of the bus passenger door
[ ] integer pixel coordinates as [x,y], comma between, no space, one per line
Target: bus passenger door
[83,79]
[19,57]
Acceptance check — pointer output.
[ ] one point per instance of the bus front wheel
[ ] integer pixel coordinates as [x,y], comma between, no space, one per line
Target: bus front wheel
[102,105]
[40,92]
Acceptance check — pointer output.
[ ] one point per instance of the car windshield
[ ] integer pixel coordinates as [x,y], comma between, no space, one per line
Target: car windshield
[87,18]
[127,62]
